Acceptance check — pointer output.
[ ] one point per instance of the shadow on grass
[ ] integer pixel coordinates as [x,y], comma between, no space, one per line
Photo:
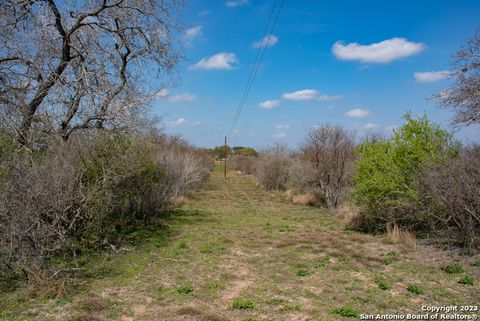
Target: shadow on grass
[105,261]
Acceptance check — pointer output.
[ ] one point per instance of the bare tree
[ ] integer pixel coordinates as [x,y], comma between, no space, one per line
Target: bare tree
[452,190]
[463,97]
[273,168]
[329,151]
[67,65]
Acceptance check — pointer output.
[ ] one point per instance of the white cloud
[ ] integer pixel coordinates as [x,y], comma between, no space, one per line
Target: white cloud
[236,3]
[192,34]
[370,126]
[431,76]
[357,113]
[265,41]
[185,97]
[203,13]
[267,104]
[279,135]
[308,94]
[284,126]
[381,52]
[223,60]
[177,122]
[162,93]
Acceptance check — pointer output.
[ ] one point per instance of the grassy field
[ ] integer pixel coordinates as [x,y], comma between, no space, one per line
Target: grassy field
[236,252]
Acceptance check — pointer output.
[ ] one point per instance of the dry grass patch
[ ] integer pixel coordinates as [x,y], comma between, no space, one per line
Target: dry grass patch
[308,199]
[397,235]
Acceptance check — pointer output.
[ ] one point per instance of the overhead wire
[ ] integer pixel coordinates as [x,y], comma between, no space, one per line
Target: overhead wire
[265,42]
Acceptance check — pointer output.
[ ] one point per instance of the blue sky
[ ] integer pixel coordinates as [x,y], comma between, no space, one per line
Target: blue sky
[359,64]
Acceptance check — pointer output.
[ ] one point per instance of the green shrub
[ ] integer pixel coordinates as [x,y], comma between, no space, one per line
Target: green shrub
[386,181]
[185,289]
[242,304]
[455,268]
[346,312]
[303,272]
[414,288]
[476,263]
[382,284]
[467,280]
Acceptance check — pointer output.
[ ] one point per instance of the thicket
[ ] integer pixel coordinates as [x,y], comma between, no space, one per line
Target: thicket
[418,180]
[85,193]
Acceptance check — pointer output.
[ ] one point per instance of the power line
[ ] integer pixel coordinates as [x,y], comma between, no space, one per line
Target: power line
[252,71]
[256,65]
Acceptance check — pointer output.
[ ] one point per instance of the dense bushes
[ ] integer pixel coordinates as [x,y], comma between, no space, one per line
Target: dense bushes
[325,165]
[418,180]
[243,163]
[273,168]
[452,191]
[87,191]
[388,173]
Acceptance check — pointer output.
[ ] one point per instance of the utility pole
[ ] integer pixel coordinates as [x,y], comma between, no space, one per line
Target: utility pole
[225,159]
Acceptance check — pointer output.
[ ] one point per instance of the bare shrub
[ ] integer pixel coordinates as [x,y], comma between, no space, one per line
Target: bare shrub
[243,163]
[273,168]
[451,192]
[84,192]
[326,164]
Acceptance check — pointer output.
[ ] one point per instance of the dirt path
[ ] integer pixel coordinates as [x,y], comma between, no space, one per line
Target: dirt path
[236,252]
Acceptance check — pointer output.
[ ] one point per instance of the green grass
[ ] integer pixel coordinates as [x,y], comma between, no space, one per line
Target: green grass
[185,289]
[382,284]
[242,304]
[467,280]
[303,272]
[346,312]
[233,251]
[415,289]
[455,268]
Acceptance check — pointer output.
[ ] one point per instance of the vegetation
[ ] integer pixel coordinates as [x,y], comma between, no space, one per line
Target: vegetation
[242,304]
[454,268]
[257,262]
[104,185]
[346,312]
[415,289]
[387,172]
[462,96]
[467,280]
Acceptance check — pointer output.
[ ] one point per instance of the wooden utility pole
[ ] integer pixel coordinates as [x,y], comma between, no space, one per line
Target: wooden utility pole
[225,159]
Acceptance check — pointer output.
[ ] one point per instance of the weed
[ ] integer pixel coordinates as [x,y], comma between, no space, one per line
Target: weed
[320,263]
[455,268]
[286,228]
[303,272]
[414,288]
[161,293]
[382,284]
[275,301]
[387,261]
[182,245]
[213,286]
[242,304]
[291,307]
[476,263]
[185,289]
[346,312]
[467,280]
